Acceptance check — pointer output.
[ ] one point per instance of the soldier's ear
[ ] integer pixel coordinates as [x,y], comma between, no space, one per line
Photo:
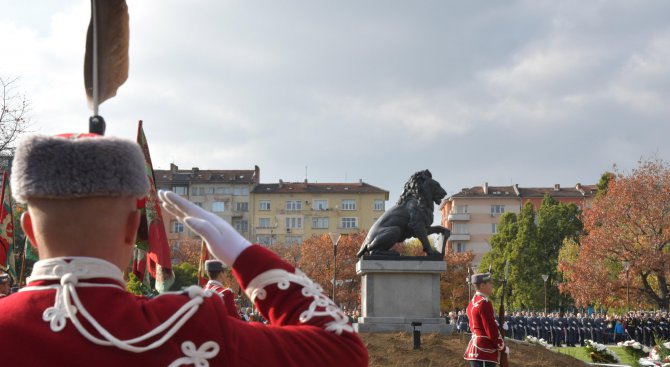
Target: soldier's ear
[27,225]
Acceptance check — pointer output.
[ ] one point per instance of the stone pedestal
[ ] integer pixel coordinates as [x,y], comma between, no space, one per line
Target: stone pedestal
[395,293]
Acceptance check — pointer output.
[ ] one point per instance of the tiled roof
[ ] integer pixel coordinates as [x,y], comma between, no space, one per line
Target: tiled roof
[205,176]
[313,188]
[526,192]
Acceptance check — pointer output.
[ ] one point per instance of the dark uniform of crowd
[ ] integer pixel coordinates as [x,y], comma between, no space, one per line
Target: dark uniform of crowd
[573,329]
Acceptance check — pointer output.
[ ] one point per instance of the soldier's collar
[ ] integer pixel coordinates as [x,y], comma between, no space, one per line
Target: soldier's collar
[480,294]
[215,282]
[77,266]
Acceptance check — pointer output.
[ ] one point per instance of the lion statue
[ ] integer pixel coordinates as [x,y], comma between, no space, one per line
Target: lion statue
[411,217]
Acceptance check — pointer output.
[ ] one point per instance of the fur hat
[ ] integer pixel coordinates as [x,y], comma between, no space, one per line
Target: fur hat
[480,278]
[77,166]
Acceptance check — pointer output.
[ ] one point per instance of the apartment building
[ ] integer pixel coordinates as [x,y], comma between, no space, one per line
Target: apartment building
[290,212]
[472,214]
[226,193]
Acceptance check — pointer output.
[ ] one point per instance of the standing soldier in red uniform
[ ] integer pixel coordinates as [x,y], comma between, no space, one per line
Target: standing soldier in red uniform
[486,344]
[214,269]
[82,194]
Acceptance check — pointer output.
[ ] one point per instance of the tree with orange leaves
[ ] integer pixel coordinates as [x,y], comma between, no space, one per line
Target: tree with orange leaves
[628,226]
[316,260]
[290,253]
[453,285]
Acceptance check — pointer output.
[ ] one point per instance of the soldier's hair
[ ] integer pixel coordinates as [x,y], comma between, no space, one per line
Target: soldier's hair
[213,274]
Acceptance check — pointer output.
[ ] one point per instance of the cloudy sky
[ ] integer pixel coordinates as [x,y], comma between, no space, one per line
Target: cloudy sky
[527,92]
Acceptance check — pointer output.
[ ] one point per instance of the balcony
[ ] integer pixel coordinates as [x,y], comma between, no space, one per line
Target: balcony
[452,217]
[459,237]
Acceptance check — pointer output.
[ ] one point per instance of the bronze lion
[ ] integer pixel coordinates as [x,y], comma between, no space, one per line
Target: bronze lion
[411,217]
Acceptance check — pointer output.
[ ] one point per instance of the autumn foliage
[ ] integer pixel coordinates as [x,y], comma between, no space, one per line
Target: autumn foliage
[316,261]
[629,224]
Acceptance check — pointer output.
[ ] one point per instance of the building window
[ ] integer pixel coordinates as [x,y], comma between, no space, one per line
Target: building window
[264,222]
[497,209]
[242,207]
[241,225]
[194,191]
[461,209]
[320,222]
[241,191]
[494,228]
[180,190]
[201,191]
[292,240]
[198,204]
[348,204]
[264,239]
[460,228]
[294,222]
[459,247]
[348,222]
[218,206]
[293,205]
[177,227]
[264,204]
[210,190]
[379,204]
[320,204]
[219,190]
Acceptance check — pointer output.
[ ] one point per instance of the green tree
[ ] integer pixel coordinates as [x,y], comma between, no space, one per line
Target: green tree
[185,275]
[531,242]
[604,182]
[501,247]
[135,286]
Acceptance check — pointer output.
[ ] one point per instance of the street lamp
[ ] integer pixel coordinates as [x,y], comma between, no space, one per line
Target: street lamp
[545,277]
[626,266]
[334,238]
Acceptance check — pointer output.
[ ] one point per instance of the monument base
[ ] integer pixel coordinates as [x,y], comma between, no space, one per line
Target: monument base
[400,324]
[394,294]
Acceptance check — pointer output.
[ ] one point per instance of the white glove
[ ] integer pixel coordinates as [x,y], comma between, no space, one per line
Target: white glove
[223,241]
[505,326]
[507,350]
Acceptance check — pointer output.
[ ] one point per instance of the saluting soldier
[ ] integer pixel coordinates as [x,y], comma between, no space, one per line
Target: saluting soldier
[486,343]
[82,194]
[214,269]
[587,323]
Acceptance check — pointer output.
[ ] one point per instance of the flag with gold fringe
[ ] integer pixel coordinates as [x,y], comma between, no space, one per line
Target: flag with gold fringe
[153,249]
[7,229]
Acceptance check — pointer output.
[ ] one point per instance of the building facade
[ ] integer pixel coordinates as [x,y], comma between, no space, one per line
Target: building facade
[285,213]
[290,212]
[226,193]
[472,214]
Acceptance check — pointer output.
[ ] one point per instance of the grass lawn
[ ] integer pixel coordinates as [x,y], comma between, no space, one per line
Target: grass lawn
[580,353]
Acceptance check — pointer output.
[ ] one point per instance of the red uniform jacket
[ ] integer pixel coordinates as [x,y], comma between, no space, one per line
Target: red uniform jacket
[226,294]
[75,312]
[486,342]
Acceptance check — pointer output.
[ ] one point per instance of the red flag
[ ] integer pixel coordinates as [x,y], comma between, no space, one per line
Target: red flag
[6,228]
[158,250]
[204,256]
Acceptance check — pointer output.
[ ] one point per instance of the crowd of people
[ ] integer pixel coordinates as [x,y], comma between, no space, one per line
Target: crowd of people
[573,329]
